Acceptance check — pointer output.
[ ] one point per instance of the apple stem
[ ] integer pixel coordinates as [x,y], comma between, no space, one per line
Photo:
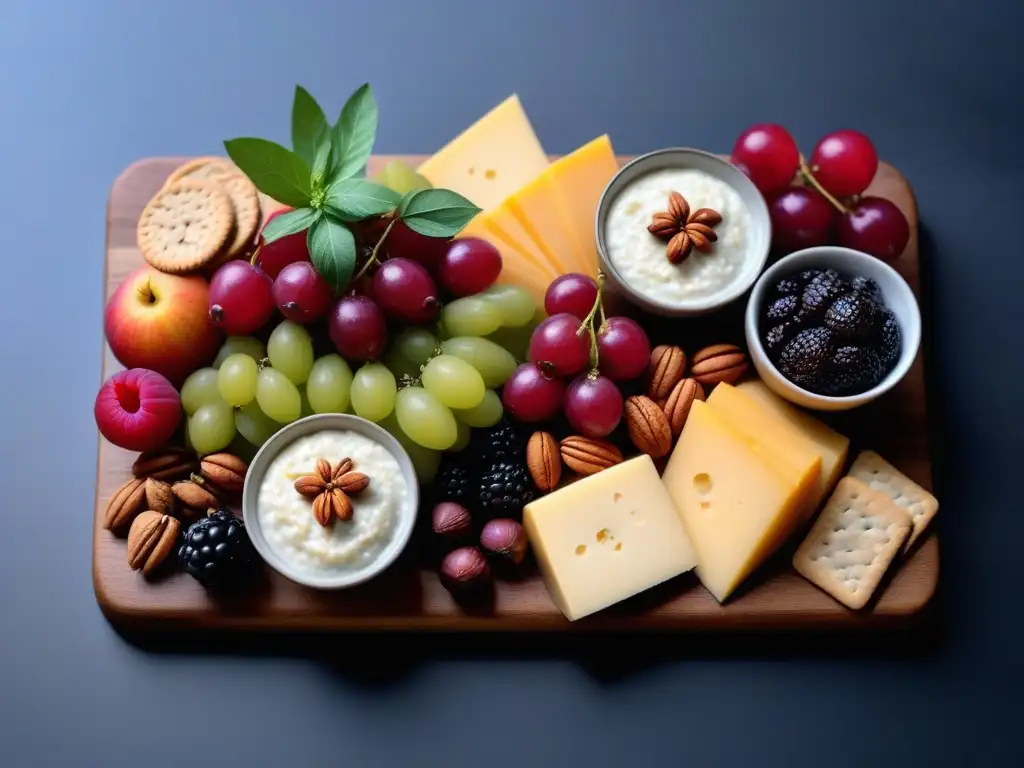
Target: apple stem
[374,253]
[808,173]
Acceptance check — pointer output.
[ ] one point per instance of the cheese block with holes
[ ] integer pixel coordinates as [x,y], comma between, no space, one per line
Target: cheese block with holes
[737,498]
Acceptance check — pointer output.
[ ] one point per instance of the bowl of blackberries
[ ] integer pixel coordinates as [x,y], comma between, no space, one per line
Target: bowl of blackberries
[831,328]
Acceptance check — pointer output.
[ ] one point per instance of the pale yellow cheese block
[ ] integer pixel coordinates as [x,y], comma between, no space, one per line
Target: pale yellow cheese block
[607,537]
[832,446]
[503,223]
[541,212]
[735,496]
[491,159]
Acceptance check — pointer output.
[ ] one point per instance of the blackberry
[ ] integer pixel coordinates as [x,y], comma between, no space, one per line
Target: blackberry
[217,551]
[782,308]
[806,276]
[888,343]
[822,291]
[455,482]
[505,488]
[505,442]
[776,339]
[867,286]
[851,370]
[803,359]
[853,317]
[787,286]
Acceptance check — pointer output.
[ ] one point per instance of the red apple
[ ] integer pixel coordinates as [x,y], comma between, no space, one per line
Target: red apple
[161,322]
[137,409]
[275,256]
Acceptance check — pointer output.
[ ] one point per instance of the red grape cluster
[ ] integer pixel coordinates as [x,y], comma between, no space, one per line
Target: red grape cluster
[243,294]
[566,347]
[827,207]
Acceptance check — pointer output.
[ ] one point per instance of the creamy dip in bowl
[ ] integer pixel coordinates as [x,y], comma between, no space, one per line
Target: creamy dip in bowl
[636,260]
[283,525]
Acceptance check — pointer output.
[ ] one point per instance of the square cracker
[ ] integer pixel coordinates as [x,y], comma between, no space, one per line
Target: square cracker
[854,540]
[883,477]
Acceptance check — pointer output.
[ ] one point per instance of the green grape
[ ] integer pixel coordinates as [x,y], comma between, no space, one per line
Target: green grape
[254,425]
[401,178]
[471,316]
[200,389]
[236,379]
[425,461]
[425,419]
[245,345]
[373,391]
[291,351]
[212,427]
[487,414]
[328,385]
[462,441]
[305,408]
[441,330]
[515,340]
[417,345]
[277,396]
[399,364]
[186,438]
[453,381]
[493,362]
[517,306]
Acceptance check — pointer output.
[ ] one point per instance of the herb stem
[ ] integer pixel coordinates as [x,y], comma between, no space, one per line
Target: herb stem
[375,252]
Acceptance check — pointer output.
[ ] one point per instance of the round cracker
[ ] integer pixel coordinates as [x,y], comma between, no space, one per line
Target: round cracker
[185,226]
[203,169]
[245,200]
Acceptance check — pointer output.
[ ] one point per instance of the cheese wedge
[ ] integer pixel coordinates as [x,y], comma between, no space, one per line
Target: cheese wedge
[540,210]
[491,159]
[736,497]
[505,225]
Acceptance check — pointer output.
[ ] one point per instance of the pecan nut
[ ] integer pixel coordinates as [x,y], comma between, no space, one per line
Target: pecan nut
[224,472]
[125,505]
[718,363]
[543,461]
[677,407]
[668,363]
[159,497]
[194,496]
[165,464]
[648,426]
[587,455]
[152,538]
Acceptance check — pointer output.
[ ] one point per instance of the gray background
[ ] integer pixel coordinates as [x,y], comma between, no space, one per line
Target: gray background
[87,87]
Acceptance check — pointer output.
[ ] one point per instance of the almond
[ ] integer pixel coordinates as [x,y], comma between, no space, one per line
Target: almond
[718,363]
[226,473]
[648,426]
[152,538]
[587,455]
[543,461]
[668,364]
[125,505]
[677,407]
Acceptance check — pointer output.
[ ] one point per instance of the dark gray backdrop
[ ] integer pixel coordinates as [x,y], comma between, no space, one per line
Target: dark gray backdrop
[87,87]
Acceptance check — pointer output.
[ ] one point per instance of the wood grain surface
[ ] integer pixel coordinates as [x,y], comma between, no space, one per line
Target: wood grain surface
[410,598]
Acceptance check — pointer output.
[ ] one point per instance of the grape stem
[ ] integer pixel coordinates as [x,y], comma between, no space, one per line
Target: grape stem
[587,325]
[807,173]
[376,250]
[256,252]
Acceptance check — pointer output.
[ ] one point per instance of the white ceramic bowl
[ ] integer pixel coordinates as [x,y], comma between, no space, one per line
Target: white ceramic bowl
[760,234]
[896,294]
[307,426]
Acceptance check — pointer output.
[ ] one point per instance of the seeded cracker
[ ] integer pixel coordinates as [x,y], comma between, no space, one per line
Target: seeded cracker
[203,169]
[883,477]
[852,543]
[185,226]
[245,201]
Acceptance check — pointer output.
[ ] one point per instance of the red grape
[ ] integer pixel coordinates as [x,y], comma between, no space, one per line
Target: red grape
[406,291]
[875,226]
[357,328]
[275,256]
[623,349]
[555,342]
[404,243]
[801,218]
[469,266]
[844,163]
[572,293]
[301,293]
[768,155]
[593,405]
[531,396]
[241,298]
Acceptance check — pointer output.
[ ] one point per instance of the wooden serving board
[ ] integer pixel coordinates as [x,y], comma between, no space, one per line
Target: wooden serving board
[409,598]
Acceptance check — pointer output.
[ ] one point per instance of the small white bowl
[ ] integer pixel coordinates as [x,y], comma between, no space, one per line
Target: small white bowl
[896,294]
[759,235]
[308,426]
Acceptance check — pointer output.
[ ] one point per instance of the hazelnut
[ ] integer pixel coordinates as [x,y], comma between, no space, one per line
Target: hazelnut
[464,569]
[451,521]
[504,538]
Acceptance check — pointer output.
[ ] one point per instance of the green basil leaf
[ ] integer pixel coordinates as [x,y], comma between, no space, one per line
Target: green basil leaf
[310,128]
[332,249]
[357,199]
[277,172]
[354,133]
[436,212]
[289,223]
[321,163]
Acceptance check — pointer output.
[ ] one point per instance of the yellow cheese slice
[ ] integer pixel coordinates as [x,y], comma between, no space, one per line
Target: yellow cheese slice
[735,497]
[607,537]
[541,212]
[491,159]
[504,224]
[580,179]
[483,227]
